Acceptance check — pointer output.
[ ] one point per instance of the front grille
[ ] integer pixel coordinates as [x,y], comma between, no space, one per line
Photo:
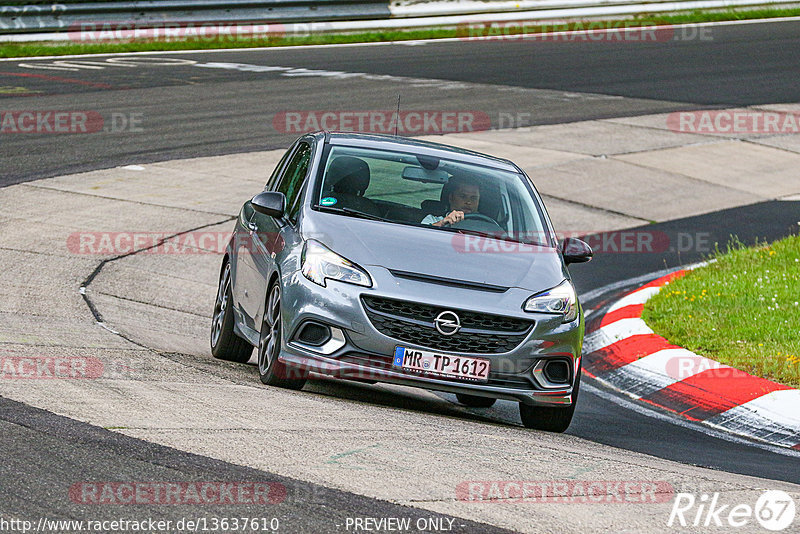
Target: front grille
[413,323]
[379,361]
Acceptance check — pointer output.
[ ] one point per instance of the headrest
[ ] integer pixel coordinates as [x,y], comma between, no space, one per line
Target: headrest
[348,174]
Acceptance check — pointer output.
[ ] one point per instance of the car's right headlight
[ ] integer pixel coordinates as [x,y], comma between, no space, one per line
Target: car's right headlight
[320,263]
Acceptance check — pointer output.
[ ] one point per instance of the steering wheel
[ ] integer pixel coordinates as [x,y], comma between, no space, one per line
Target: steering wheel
[478,222]
[479,217]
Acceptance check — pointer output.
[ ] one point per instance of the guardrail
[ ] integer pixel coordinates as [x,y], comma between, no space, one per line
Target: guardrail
[54,21]
[63,16]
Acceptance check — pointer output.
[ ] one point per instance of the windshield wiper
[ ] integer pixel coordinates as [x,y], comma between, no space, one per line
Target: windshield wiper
[350,212]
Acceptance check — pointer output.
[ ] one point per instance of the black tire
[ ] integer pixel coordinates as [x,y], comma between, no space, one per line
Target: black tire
[272,371]
[474,401]
[225,344]
[550,418]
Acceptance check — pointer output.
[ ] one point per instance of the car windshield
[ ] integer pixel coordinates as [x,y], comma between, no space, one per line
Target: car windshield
[419,190]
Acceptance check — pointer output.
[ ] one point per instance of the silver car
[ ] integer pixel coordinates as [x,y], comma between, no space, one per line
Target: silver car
[387,259]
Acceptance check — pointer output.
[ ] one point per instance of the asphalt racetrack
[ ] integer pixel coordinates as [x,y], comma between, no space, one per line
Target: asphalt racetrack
[185,111]
[185,105]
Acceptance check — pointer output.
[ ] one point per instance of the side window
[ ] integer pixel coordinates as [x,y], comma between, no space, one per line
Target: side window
[273,178]
[292,181]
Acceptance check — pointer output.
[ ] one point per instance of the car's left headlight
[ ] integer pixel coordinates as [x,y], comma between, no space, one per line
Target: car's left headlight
[319,263]
[560,300]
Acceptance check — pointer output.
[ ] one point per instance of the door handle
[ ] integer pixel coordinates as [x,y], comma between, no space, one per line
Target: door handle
[252,226]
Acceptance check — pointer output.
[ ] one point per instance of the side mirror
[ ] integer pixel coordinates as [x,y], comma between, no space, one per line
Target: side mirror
[272,203]
[576,251]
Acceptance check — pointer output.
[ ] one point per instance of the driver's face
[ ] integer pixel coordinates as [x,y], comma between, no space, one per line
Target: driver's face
[465,198]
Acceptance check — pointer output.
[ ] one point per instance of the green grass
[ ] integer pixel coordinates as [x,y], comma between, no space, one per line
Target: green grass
[742,310]
[54,48]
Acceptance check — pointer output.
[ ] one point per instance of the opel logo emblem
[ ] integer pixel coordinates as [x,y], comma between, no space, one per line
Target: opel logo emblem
[447,323]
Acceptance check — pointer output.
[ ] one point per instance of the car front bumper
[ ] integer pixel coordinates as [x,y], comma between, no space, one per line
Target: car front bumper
[365,353]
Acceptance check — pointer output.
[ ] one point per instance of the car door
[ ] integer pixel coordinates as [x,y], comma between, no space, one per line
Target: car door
[242,265]
[269,235]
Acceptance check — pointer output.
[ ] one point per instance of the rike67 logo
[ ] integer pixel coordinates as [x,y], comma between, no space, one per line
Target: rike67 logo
[774,510]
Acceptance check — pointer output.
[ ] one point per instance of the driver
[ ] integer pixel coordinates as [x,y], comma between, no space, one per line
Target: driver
[463,199]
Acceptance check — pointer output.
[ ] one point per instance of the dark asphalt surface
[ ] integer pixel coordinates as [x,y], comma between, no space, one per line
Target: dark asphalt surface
[187,111]
[49,461]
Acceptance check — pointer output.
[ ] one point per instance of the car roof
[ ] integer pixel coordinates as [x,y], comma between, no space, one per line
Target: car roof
[418,146]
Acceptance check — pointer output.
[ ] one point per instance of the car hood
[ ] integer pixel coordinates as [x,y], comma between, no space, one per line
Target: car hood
[458,257]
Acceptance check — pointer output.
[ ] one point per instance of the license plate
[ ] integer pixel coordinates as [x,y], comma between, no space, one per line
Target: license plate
[447,365]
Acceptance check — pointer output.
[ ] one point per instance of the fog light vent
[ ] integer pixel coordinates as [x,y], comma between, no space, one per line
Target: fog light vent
[313,334]
[557,372]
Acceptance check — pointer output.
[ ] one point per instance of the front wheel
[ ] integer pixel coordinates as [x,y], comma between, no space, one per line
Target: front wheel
[551,418]
[225,344]
[272,371]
